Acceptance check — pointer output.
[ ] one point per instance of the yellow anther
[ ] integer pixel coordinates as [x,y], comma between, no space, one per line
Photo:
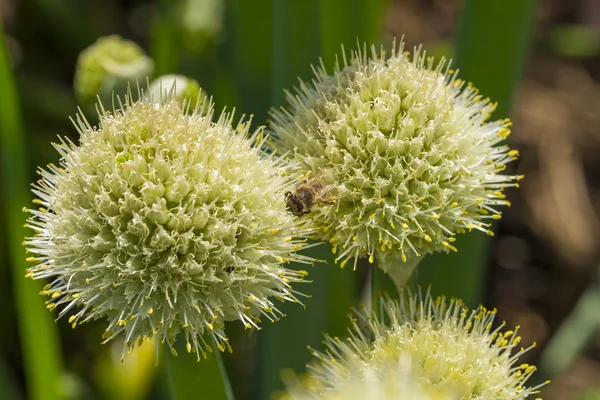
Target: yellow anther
[517,340]
[343,263]
[371,259]
[489,233]
[174,352]
[287,239]
[405,225]
[428,238]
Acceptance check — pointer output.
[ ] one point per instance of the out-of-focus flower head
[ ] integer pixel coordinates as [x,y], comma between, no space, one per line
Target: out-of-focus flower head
[110,64]
[446,349]
[201,23]
[391,381]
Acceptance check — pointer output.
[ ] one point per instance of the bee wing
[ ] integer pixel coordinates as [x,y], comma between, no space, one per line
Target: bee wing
[328,194]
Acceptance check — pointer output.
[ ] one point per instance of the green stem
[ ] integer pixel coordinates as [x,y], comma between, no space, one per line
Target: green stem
[224,376]
[400,272]
[368,288]
[186,378]
[167,370]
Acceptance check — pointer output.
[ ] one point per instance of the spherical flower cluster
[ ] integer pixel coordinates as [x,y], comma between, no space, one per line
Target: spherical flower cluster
[409,157]
[165,223]
[110,64]
[179,88]
[440,342]
[391,381]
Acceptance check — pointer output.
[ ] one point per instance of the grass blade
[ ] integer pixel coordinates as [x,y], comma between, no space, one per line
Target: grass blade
[39,336]
[575,333]
[492,57]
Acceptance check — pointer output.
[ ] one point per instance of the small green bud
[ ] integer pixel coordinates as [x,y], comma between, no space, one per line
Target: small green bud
[178,87]
[110,64]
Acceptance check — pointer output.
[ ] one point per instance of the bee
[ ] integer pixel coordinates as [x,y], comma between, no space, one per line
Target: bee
[305,195]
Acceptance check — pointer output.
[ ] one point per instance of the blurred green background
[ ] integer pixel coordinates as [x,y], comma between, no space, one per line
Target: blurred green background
[539,60]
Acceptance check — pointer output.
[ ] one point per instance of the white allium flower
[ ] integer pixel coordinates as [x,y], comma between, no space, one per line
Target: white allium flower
[178,87]
[408,149]
[391,381]
[110,64]
[439,342]
[165,223]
